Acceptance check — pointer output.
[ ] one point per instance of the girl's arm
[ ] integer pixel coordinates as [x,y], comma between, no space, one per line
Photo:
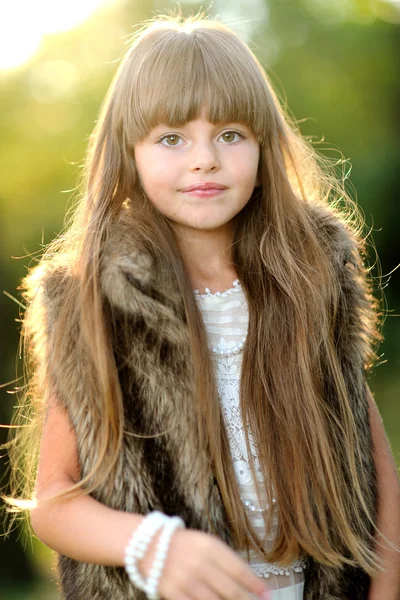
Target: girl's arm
[81,528]
[88,531]
[386,585]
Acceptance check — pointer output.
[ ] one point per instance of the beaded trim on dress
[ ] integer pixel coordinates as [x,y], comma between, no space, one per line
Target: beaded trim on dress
[268,569]
[236,286]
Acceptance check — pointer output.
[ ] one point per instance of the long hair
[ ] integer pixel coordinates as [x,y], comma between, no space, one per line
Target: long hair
[176,70]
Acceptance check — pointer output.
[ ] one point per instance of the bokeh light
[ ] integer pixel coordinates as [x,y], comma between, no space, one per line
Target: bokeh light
[23,24]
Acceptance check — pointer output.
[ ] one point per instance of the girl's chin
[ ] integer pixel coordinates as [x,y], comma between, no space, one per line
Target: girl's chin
[205,225]
[207,219]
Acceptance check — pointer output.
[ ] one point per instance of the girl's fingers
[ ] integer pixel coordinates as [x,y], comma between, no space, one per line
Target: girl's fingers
[240,572]
[225,586]
[210,571]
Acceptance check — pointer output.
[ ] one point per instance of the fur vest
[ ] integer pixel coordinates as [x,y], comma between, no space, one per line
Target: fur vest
[149,336]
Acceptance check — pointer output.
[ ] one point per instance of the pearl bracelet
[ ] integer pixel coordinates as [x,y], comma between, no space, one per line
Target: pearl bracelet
[138,544]
[137,547]
[160,556]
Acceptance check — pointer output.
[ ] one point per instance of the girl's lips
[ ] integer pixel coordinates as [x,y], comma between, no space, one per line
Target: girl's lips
[208,185]
[204,193]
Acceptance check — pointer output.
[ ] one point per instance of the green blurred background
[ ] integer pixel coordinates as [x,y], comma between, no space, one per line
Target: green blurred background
[335,64]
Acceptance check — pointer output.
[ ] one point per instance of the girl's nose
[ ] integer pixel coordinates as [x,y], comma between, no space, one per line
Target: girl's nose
[204,158]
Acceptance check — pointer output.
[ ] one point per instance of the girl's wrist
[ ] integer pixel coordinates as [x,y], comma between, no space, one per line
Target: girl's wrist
[138,545]
[158,564]
[150,545]
[144,565]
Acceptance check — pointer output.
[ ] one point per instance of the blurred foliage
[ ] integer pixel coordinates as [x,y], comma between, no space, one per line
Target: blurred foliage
[335,64]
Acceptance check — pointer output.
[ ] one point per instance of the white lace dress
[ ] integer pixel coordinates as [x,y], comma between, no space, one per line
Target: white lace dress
[225,316]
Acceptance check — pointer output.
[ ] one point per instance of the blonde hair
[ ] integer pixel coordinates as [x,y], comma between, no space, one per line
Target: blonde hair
[174,71]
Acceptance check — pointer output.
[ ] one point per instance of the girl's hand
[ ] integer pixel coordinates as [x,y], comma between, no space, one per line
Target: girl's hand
[200,566]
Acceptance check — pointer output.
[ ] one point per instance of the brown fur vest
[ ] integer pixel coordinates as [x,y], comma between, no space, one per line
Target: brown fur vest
[147,324]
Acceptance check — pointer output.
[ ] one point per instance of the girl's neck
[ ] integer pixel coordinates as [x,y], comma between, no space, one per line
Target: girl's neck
[208,258]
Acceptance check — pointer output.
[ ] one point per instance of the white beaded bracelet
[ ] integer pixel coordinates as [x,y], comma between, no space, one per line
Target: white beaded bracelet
[138,544]
[160,556]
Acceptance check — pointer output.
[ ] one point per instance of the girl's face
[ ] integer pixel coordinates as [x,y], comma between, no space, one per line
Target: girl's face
[170,159]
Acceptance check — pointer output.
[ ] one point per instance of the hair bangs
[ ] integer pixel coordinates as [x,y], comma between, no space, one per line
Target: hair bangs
[200,76]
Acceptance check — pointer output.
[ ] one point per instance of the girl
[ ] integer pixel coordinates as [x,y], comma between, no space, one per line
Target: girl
[199,339]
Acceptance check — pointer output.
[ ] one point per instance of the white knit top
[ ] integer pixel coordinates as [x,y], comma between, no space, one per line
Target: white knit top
[225,316]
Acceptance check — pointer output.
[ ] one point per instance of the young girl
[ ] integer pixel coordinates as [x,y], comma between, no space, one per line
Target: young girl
[199,338]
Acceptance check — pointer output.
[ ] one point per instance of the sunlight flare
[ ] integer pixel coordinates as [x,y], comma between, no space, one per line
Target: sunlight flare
[23,24]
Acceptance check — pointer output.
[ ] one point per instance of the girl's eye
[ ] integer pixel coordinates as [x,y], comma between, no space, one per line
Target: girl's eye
[171,137]
[229,134]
